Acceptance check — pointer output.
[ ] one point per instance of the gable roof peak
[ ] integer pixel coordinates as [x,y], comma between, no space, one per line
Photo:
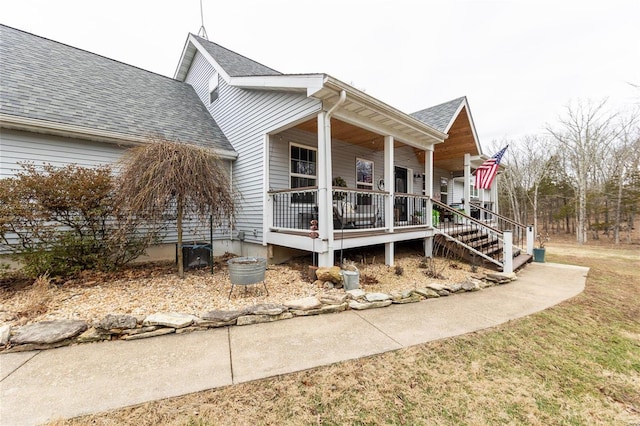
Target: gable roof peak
[234,64]
[440,116]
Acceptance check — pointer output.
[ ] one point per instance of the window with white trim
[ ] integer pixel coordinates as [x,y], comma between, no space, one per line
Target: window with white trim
[474,193]
[364,179]
[444,190]
[302,171]
[213,87]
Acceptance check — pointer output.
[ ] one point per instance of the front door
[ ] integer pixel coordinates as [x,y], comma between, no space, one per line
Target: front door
[401,211]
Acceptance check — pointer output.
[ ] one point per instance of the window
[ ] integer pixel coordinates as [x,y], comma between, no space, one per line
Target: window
[213,88]
[303,161]
[364,174]
[364,180]
[444,190]
[472,189]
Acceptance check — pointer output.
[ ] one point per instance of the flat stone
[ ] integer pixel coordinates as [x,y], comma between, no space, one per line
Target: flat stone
[485,284]
[265,309]
[436,286]
[141,330]
[412,299]
[303,304]
[331,273]
[169,319]
[359,306]
[454,288]
[443,293]
[356,294]
[377,297]
[214,324]
[257,319]
[326,309]
[5,332]
[219,316]
[159,332]
[333,299]
[113,321]
[93,335]
[501,278]
[427,293]
[406,294]
[189,329]
[40,346]
[470,286]
[47,332]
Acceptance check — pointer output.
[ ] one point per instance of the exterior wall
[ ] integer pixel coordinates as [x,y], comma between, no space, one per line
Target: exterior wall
[245,117]
[19,146]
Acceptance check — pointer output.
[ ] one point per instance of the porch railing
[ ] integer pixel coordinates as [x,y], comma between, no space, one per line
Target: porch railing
[473,234]
[504,223]
[294,208]
[353,209]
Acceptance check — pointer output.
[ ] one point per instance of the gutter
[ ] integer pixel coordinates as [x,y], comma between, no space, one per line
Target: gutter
[80,132]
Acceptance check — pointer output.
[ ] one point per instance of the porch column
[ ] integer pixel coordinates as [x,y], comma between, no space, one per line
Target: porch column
[467,184]
[267,214]
[494,195]
[389,186]
[428,188]
[324,174]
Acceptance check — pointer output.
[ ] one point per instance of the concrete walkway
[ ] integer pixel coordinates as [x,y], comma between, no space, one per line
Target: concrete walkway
[59,383]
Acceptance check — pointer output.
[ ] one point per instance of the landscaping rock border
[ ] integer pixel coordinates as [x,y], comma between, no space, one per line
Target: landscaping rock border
[53,334]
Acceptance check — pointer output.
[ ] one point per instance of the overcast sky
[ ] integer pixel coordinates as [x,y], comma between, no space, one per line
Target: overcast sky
[518,62]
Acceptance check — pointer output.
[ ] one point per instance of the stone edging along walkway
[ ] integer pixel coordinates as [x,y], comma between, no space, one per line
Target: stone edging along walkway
[54,334]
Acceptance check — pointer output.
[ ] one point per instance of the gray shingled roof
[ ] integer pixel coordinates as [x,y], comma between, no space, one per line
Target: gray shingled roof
[233,63]
[46,80]
[439,116]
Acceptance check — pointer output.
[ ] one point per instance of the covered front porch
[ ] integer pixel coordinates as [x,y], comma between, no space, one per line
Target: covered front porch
[366,174]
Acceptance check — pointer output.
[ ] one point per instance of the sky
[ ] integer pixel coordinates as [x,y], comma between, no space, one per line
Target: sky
[519,62]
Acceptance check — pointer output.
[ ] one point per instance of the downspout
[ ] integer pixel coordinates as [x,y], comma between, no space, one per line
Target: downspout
[343,97]
[327,184]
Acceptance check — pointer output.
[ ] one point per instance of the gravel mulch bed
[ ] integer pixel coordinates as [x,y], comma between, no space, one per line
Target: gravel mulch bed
[144,289]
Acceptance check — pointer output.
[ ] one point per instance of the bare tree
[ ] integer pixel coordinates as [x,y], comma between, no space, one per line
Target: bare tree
[625,161]
[584,135]
[164,176]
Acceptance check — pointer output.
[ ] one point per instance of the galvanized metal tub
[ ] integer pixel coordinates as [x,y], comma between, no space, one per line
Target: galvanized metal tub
[247,270]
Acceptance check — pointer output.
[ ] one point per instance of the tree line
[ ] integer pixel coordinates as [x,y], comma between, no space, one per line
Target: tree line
[581,176]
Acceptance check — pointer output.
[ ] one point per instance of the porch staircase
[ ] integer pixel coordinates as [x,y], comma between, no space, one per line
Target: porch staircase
[480,241]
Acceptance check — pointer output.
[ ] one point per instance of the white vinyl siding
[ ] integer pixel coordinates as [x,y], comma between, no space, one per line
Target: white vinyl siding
[245,116]
[19,146]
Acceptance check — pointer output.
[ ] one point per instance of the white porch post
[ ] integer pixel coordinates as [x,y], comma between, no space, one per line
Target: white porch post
[494,195]
[389,186]
[507,252]
[268,211]
[428,188]
[467,184]
[325,208]
[530,239]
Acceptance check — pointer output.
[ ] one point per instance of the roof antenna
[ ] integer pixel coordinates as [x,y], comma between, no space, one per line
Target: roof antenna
[202,32]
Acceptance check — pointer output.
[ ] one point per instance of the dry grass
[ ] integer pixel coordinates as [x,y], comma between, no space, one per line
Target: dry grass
[576,363]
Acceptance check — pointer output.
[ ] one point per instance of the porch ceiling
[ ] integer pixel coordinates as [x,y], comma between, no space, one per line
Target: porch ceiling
[349,133]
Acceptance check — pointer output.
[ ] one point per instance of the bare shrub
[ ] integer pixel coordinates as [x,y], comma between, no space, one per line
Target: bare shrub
[37,297]
[165,179]
[64,220]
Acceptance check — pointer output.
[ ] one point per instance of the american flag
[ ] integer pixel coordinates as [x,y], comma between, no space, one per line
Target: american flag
[488,170]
